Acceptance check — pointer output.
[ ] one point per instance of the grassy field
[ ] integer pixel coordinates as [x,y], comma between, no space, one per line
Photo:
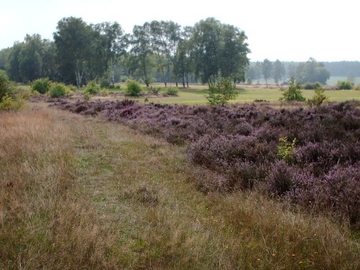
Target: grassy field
[196,95]
[82,193]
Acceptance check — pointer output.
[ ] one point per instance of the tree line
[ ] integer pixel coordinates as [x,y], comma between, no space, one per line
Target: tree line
[155,51]
[310,71]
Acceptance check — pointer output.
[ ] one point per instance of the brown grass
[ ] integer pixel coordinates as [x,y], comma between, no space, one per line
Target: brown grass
[79,193]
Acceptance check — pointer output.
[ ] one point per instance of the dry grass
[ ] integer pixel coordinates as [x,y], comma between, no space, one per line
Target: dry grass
[79,193]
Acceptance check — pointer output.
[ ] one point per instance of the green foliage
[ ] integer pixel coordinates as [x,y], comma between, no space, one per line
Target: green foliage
[286,149]
[314,85]
[104,83]
[221,91]
[87,96]
[104,92]
[319,97]
[293,93]
[41,85]
[9,103]
[133,88]
[57,90]
[92,88]
[172,91]
[6,87]
[344,85]
[154,90]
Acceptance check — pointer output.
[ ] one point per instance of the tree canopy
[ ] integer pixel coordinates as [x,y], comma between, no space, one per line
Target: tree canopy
[161,50]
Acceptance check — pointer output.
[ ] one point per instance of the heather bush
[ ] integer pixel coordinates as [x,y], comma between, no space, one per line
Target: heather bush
[41,85]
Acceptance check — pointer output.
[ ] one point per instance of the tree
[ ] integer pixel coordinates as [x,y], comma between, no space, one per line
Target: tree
[219,50]
[221,91]
[312,71]
[142,51]
[294,92]
[165,38]
[74,42]
[4,55]
[12,65]
[30,60]
[278,71]
[183,62]
[266,69]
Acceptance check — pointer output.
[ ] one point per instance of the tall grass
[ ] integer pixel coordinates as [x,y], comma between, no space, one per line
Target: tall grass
[78,193]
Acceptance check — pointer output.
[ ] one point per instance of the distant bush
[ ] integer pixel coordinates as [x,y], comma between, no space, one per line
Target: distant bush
[92,88]
[294,92]
[57,90]
[133,88]
[172,91]
[154,90]
[41,85]
[344,85]
[312,86]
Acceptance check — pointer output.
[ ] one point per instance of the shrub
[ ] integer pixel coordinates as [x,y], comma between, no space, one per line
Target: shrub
[6,87]
[87,96]
[41,85]
[57,90]
[221,91]
[104,92]
[344,85]
[172,91]
[154,90]
[318,97]
[286,149]
[92,88]
[133,88]
[293,93]
[9,103]
[312,86]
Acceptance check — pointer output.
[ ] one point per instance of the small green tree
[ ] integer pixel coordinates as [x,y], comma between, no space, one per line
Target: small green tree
[294,92]
[221,91]
[41,85]
[319,97]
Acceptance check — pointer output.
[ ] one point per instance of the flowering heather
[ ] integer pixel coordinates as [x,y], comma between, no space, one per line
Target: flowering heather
[240,143]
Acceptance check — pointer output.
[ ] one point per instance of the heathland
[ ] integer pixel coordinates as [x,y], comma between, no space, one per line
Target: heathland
[155,183]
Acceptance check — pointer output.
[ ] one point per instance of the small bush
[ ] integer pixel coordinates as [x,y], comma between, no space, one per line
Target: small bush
[104,92]
[6,87]
[294,92]
[312,86]
[9,103]
[92,88]
[221,91]
[41,85]
[133,88]
[286,149]
[87,96]
[57,90]
[318,97]
[344,85]
[172,91]
[154,90]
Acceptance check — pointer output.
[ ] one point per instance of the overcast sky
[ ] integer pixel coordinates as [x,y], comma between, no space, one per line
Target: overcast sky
[288,30]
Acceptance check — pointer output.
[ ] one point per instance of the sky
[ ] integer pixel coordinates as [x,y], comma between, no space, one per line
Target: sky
[288,30]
